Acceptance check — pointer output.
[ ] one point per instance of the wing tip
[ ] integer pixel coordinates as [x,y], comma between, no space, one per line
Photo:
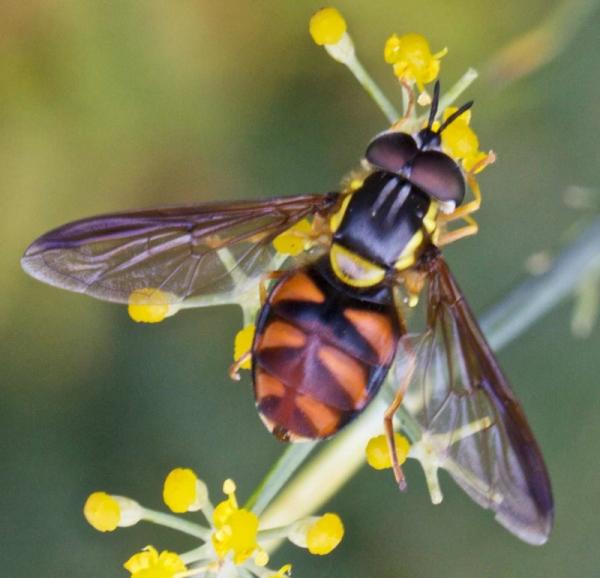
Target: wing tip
[31,260]
[36,266]
[535,534]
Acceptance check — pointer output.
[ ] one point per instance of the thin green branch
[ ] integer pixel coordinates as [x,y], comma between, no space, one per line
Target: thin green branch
[587,305]
[320,479]
[169,521]
[200,554]
[367,82]
[278,533]
[450,96]
[523,306]
[278,475]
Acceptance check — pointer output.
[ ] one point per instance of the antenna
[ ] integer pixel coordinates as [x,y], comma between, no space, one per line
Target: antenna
[434,103]
[455,115]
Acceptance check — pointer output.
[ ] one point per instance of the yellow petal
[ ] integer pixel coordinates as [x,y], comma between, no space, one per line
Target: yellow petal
[142,560]
[325,534]
[412,60]
[283,572]
[102,511]
[327,26]
[238,535]
[378,454]
[243,344]
[150,564]
[183,491]
[150,305]
[294,240]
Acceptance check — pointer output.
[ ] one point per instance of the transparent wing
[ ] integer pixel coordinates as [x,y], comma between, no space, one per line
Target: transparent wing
[471,419]
[186,251]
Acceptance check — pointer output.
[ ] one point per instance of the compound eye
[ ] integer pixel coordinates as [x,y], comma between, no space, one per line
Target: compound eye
[439,176]
[391,151]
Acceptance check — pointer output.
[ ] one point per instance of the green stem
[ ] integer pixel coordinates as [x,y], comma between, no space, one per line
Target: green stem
[450,96]
[281,471]
[585,311]
[252,569]
[278,533]
[523,306]
[320,479]
[371,87]
[231,265]
[170,521]
[204,552]
[213,300]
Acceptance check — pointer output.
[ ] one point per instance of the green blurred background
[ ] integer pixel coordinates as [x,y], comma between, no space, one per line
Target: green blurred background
[109,105]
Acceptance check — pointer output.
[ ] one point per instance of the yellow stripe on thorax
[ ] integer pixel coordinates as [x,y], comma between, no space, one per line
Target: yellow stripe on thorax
[353,269]
[430,218]
[336,219]
[408,256]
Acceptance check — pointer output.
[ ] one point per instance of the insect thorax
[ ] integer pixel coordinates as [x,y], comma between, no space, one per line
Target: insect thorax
[381,227]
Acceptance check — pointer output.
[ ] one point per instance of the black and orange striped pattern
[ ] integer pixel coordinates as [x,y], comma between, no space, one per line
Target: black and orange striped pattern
[319,355]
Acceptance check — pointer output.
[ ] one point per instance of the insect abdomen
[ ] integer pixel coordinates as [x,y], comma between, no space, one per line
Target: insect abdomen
[319,356]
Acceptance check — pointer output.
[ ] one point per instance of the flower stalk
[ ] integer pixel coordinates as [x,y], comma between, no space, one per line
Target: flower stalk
[175,523]
[373,90]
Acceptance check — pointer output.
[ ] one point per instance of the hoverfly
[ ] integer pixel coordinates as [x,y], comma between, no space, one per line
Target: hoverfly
[332,322]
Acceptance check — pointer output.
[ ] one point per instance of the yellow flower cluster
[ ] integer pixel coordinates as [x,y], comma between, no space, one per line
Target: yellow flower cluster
[232,538]
[236,530]
[412,59]
[460,141]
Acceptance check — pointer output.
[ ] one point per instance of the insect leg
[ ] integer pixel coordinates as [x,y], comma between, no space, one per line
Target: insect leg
[234,368]
[464,212]
[410,104]
[488,159]
[447,237]
[388,417]
[264,281]
[468,208]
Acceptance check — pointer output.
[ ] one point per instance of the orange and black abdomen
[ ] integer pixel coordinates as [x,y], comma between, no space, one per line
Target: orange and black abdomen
[319,354]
